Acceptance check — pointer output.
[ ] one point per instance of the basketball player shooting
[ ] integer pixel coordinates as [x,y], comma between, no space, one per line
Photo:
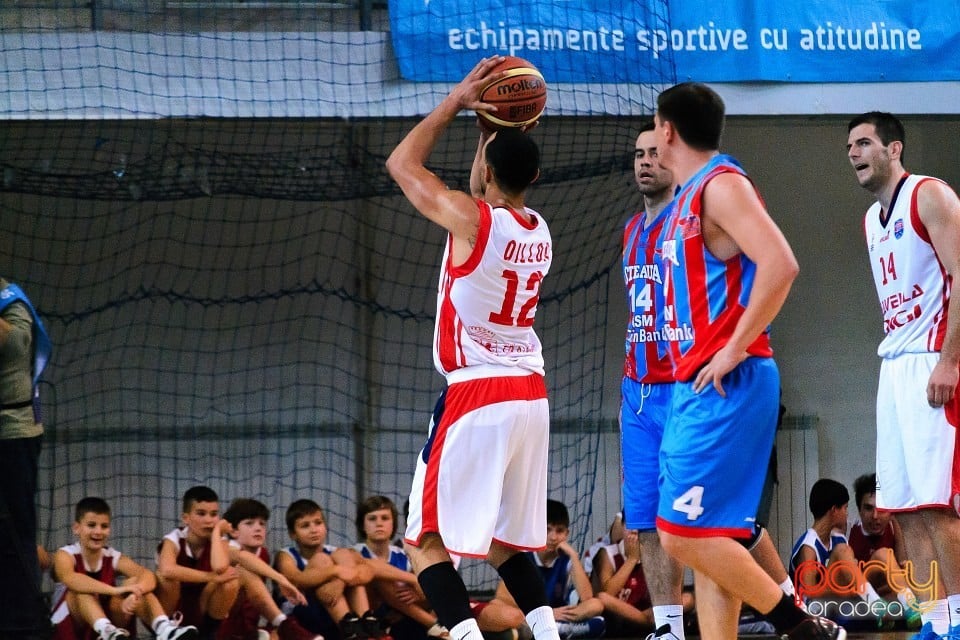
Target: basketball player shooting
[479,488]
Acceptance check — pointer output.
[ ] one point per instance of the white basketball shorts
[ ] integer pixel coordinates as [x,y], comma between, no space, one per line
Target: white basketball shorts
[482,475]
[917,461]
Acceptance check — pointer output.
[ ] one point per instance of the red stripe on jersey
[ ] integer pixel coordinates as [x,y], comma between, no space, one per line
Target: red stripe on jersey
[915,220]
[939,329]
[522,219]
[462,398]
[952,411]
[484,222]
[446,327]
[628,231]
[711,333]
[449,327]
[702,532]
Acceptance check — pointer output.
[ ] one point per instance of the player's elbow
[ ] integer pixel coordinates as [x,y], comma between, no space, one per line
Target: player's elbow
[219,566]
[394,166]
[164,572]
[783,269]
[148,581]
[791,268]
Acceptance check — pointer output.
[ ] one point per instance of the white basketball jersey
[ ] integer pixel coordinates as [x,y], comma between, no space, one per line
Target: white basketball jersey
[910,279]
[486,306]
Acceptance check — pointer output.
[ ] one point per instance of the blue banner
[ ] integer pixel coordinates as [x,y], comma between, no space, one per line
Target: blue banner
[657,41]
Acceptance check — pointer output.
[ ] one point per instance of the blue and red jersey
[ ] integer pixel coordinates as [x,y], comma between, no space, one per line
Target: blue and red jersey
[647,357]
[705,297]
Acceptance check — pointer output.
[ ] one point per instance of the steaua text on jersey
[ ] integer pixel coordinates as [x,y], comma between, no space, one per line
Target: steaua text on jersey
[647,359]
[705,297]
[486,306]
[912,283]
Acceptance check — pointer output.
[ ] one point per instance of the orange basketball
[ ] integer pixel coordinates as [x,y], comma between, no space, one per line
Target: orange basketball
[519,97]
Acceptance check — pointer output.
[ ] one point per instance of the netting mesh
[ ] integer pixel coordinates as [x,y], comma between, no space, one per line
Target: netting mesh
[194,197]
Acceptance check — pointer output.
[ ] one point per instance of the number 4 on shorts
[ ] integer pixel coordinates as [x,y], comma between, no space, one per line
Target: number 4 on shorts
[689,502]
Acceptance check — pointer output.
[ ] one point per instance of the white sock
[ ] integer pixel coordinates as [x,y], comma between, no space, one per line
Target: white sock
[906,597]
[467,630]
[787,587]
[158,622]
[540,621]
[101,624]
[937,614]
[670,615]
[870,594]
[953,605]
[280,618]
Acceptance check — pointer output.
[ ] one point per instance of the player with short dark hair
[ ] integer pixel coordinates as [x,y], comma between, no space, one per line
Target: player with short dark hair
[729,269]
[101,591]
[479,488]
[913,242]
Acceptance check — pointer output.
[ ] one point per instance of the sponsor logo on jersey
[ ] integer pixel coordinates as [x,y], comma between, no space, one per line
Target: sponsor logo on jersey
[645,271]
[670,251]
[690,226]
[898,228]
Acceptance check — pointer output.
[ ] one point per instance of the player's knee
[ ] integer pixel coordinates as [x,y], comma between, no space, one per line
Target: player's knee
[510,617]
[330,592]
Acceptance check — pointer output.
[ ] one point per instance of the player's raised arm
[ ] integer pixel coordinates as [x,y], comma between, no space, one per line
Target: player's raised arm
[455,211]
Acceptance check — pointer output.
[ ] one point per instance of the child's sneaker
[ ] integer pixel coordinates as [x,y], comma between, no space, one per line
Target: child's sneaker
[371,627]
[816,628]
[113,633]
[663,632]
[590,628]
[171,630]
[290,629]
[351,628]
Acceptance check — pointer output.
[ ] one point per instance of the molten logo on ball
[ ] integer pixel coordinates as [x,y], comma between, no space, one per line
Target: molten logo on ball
[520,96]
[534,84]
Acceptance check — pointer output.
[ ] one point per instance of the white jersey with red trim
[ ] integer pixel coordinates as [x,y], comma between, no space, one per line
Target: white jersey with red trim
[486,306]
[911,282]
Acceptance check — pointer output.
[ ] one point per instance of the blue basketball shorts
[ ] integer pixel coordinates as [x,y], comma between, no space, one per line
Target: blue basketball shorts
[643,413]
[715,452]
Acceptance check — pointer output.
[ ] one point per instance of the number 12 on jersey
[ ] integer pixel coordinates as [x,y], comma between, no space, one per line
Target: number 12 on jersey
[528,299]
